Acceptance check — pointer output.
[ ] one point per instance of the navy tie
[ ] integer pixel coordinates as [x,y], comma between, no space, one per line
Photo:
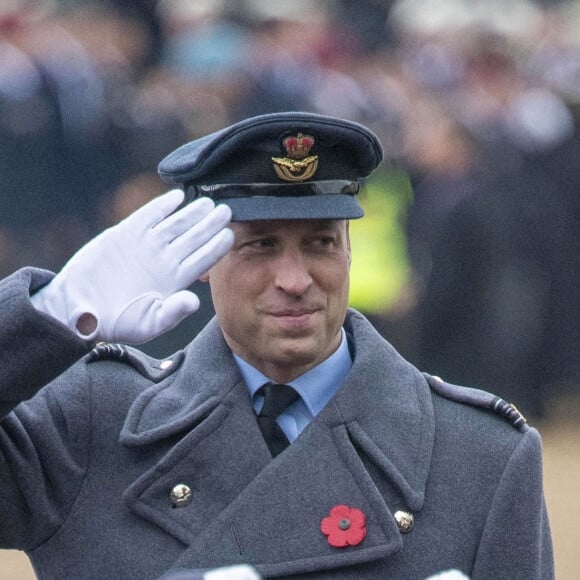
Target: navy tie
[277,398]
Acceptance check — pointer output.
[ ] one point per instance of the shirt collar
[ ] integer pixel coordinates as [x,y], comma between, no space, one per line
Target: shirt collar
[316,386]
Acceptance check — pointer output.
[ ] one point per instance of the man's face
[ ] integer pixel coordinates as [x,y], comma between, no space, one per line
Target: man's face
[281,293]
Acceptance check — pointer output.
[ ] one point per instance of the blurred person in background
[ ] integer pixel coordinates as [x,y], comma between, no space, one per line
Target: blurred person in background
[555,63]
[79,114]
[497,306]
[50,112]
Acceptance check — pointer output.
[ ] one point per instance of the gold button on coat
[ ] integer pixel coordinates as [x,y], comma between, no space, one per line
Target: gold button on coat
[181,495]
[405,521]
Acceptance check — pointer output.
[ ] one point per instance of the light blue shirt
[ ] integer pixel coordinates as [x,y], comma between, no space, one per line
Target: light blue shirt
[315,387]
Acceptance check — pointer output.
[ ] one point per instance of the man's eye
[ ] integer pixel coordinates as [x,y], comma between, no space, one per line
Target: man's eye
[325,241]
[262,243]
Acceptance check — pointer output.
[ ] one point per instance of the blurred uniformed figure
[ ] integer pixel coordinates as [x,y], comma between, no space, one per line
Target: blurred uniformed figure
[289,435]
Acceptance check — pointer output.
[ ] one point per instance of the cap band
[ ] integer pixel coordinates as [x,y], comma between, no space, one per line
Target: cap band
[221,191]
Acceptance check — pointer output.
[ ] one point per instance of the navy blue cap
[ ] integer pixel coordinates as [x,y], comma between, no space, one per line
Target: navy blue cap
[291,165]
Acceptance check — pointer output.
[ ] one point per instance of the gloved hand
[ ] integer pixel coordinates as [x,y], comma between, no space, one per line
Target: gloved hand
[240,572]
[128,283]
[236,572]
[449,575]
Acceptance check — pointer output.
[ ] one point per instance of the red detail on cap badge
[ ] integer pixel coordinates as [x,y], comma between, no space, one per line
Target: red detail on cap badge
[298,147]
[298,165]
[344,526]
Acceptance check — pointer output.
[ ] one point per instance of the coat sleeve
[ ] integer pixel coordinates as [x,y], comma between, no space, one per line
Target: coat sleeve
[516,541]
[34,348]
[42,430]
[44,456]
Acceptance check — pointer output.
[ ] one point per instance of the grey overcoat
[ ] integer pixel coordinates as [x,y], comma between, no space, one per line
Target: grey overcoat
[87,465]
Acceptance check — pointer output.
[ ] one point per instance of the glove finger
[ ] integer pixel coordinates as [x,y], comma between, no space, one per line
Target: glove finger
[198,263]
[172,310]
[201,232]
[183,220]
[156,210]
[149,316]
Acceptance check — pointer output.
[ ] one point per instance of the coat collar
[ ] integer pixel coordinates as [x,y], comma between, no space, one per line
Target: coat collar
[205,378]
[369,448]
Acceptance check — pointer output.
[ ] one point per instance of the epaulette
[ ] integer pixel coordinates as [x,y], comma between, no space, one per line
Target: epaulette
[478,398]
[151,368]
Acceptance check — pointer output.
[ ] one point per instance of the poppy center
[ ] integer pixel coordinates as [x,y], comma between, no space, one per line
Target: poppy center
[344,524]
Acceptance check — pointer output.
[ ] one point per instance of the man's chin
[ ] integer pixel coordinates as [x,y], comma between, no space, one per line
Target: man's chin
[299,350]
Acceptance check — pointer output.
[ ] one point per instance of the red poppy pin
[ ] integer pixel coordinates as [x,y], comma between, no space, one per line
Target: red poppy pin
[344,526]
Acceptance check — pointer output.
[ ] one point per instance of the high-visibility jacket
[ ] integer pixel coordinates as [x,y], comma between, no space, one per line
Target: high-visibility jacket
[380,266]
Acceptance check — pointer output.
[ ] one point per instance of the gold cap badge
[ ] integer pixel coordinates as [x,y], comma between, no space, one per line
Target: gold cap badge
[298,165]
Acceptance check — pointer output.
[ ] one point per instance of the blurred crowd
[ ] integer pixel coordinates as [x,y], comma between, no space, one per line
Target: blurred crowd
[469,257]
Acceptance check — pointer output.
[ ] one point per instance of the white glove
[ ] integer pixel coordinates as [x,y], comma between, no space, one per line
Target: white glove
[240,572]
[129,281]
[449,575]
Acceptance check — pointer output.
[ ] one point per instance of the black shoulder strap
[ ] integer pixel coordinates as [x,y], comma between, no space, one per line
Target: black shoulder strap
[151,368]
[478,398]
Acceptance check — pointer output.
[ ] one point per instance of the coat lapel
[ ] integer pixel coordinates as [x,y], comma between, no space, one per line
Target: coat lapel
[369,449]
[199,428]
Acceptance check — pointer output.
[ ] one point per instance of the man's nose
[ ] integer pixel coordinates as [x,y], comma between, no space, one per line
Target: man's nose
[293,273]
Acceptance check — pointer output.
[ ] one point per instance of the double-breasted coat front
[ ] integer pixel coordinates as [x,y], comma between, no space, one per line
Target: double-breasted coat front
[88,465]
